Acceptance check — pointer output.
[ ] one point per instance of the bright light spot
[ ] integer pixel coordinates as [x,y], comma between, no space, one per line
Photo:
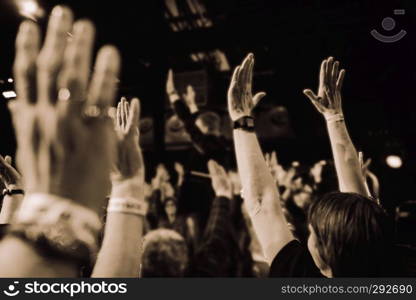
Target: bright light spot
[10,80]
[9,94]
[394,161]
[30,9]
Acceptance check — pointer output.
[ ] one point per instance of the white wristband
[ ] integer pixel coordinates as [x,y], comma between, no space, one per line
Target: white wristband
[334,118]
[127,205]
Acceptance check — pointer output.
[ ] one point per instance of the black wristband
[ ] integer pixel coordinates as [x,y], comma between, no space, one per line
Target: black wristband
[244,123]
[11,192]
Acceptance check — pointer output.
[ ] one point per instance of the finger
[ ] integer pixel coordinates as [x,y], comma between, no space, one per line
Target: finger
[274,158]
[221,170]
[328,71]
[310,94]
[257,97]
[313,98]
[134,113]
[119,114]
[77,61]
[104,81]
[244,71]
[367,163]
[360,159]
[27,50]
[51,56]
[250,70]
[322,73]
[211,168]
[234,77]
[267,157]
[334,75]
[340,80]
[125,111]
[170,76]
[8,159]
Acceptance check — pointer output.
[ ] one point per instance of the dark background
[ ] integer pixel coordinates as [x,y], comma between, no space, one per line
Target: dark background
[289,39]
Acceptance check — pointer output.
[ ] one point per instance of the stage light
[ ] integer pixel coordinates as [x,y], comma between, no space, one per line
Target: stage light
[9,94]
[394,161]
[30,9]
[10,80]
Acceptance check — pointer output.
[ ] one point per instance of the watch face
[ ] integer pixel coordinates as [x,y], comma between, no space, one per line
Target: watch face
[250,122]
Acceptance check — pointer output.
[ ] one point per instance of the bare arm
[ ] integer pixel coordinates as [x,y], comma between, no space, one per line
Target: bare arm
[12,181]
[259,188]
[328,103]
[55,180]
[120,252]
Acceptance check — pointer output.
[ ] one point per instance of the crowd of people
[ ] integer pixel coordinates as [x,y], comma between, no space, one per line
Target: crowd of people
[77,203]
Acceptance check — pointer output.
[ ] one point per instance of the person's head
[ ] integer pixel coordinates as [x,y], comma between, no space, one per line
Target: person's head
[350,236]
[209,123]
[170,207]
[165,254]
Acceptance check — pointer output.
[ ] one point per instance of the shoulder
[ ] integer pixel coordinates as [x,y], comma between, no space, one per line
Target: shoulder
[294,260]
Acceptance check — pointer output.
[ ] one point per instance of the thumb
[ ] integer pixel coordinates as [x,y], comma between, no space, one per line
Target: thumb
[257,97]
[8,159]
[211,167]
[310,94]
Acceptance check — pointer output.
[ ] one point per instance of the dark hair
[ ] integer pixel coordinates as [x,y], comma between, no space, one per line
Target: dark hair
[165,254]
[354,235]
[211,120]
[329,181]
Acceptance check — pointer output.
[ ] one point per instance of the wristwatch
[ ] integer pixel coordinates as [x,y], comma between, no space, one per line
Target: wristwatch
[245,123]
[11,192]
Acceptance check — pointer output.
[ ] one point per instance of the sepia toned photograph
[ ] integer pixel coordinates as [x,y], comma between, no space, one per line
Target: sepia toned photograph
[207,139]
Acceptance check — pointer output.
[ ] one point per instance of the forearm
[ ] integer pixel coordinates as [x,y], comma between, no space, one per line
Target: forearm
[21,259]
[256,179]
[120,252]
[347,165]
[260,195]
[119,255]
[218,218]
[10,205]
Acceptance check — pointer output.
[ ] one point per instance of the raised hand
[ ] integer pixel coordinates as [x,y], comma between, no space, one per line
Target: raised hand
[161,176]
[189,98]
[170,87]
[129,160]
[9,175]
[65,138]
[221,182]
[240,98]
[364,165]
[181,173]
[236,183]
[328,100]
[316,171]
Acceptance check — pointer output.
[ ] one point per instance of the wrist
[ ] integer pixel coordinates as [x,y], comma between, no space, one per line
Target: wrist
[14,186]
[127,188]
[245,123]
[193,108]
[173,96]
[334,117]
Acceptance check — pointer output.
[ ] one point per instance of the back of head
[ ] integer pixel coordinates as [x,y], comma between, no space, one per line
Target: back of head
[165,254]
[210,121]
[354,235]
